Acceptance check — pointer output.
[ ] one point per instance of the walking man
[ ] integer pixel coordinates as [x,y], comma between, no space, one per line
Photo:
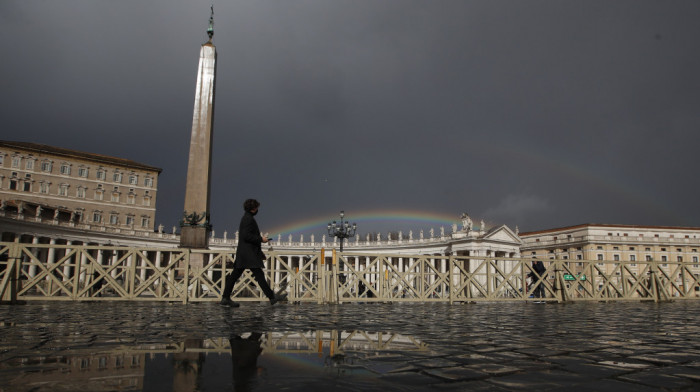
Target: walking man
[249,255]
[537,276]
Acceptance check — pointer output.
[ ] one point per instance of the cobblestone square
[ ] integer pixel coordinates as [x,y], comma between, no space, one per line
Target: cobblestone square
[148,346]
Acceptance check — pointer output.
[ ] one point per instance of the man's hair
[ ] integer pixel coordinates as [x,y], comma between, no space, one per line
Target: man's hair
[250,204]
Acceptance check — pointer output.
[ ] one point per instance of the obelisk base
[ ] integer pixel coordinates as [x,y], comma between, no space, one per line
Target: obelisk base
[196,237]
[197,261]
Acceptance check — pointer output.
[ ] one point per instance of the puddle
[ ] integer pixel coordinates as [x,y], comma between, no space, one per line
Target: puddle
[260,361]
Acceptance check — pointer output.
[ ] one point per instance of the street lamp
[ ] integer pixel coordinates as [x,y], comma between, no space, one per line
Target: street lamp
[342,230]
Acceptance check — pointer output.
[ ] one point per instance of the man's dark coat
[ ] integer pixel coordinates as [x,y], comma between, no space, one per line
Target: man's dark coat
[249,252]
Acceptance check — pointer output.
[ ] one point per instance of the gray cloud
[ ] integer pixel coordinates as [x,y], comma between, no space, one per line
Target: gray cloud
[534,113]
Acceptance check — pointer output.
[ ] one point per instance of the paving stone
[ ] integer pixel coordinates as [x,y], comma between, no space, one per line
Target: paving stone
[471,386]
[657,359]
[494,369]
[627,364]
[657,380]
[605,386]
[435,363]
[456,373]
[416,379]
[539,380]
[692,373]
[568,360]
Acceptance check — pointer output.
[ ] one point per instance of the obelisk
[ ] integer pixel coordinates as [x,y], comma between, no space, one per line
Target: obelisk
[195,221]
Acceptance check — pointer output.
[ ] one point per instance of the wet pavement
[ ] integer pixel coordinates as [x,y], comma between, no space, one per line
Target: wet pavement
[149,346]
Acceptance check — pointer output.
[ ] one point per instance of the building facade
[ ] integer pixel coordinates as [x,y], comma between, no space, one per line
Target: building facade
[671,247]
[56,185]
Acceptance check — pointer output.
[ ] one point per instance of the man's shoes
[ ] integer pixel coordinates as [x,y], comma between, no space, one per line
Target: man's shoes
[227,302]
[277,298]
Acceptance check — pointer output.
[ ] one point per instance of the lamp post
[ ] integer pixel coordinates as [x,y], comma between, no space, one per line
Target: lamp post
[342,230]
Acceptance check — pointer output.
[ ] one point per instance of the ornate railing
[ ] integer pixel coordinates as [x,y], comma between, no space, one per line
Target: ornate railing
[80,272]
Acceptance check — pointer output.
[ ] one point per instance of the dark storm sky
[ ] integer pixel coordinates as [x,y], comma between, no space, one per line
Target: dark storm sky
[538,114]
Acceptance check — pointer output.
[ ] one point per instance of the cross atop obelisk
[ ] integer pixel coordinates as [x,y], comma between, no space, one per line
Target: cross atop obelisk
[195,221]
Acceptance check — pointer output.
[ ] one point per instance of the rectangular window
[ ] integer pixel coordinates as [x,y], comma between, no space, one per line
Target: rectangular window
[144,222]
[664,258]
[133,180]
[65,169]
[648,257]
[83,171]
[131,199]
[44,188]
[13,185]
[117,177]
[633,258]
[680,259]
[616,257]
[113,219]
[129,220]
[99,194]
[16,161]
[46,166]
[101,175]
[27,186]
[115,197]
[97,217]
[30,164]
[600,256]
[80,193]
[63,190]
[148,182]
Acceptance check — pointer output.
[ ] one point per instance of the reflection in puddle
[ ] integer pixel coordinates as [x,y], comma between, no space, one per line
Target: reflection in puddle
[345,360]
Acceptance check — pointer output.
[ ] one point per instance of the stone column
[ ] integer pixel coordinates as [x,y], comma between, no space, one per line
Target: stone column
[50,261]
[35,252]
[83,266]
[66,263]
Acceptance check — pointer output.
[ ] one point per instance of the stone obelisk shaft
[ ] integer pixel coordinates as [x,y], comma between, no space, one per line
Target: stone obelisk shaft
[195,223]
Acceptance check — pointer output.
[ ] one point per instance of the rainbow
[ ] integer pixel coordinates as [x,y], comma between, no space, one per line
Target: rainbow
[368,217]
[642,199]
